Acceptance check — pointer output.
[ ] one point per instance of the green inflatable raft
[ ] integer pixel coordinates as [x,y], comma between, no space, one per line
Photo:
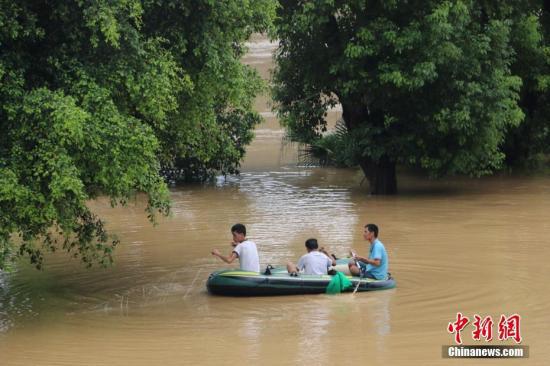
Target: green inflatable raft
[279,282]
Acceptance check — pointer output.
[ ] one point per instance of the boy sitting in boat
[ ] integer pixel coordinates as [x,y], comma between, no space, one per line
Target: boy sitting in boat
[243,249]
[315,262]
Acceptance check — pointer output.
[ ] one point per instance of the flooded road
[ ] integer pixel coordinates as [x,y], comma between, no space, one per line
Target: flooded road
[470,246]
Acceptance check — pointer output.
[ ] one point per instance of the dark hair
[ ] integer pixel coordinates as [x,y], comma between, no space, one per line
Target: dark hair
[311,244]
[238,228]
[373,229]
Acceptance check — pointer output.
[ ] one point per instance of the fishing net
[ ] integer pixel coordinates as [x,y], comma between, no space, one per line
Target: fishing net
[338,284]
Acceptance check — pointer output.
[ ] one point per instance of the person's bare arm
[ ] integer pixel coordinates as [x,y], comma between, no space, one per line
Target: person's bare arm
[227,259]
[374,262]
[322,250]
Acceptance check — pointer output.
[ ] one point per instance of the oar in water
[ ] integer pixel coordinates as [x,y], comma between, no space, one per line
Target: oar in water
[360,273]
[358,282]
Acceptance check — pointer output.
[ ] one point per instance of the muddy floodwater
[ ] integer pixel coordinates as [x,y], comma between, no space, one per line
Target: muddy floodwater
[460,245]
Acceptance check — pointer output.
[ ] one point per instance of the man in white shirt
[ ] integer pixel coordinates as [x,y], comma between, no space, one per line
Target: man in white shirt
[314,262]
[243,249]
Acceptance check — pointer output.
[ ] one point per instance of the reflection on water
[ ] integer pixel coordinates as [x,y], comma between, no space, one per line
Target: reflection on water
[313,329]
[297,205]
[474,246]
[481,249]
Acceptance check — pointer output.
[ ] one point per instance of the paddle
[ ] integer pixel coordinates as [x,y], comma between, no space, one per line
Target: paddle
[358,283]
[360,273]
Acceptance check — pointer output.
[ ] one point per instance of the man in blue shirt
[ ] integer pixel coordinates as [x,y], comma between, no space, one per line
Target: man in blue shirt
[376,265]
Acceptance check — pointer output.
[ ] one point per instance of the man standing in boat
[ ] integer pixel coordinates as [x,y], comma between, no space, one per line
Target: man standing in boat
[315,262]
[376,265]
[243,249]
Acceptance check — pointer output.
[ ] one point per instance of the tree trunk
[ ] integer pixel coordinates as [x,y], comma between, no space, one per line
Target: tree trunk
[381,176]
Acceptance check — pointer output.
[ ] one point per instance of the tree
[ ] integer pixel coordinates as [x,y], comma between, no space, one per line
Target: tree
[96,95]
[526,143]
[215,119]
[421,83]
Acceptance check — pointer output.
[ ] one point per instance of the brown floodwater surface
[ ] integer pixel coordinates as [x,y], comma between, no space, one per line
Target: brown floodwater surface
[459,245]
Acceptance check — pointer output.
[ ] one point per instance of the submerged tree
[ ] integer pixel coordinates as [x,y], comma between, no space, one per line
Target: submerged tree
[96,95]
[421,83]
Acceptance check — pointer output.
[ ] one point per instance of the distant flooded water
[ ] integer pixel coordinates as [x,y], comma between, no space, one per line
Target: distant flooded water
[469,246]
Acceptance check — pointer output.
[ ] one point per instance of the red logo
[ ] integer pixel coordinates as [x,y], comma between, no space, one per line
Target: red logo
[483,328]
[456,327]
[508,327]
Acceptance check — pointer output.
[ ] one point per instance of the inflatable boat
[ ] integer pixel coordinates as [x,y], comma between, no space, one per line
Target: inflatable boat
[279,282]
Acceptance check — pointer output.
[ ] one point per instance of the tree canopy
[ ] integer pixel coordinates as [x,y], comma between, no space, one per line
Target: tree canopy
[527,144]
[426,84]
[96,95]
